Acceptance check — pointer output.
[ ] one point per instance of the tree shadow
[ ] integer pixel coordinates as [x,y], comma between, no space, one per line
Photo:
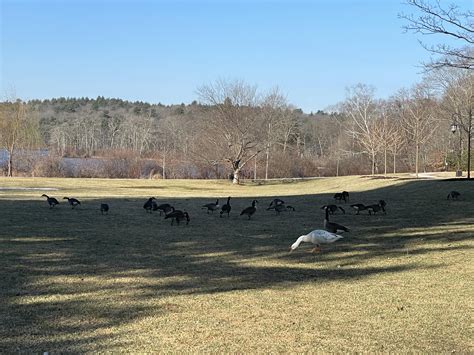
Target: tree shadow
[62,267]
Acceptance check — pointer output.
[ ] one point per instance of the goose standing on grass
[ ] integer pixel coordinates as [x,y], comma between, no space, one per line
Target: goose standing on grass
[333,209]
[226,208]
[249,211]
[331,226]
[276,202]
[377,207]
[359,207]
[178,216]
[148,206]
[51,200]
[454,195]
[212,206]
[72,201]
[164,208]
[104,208]
[316,237]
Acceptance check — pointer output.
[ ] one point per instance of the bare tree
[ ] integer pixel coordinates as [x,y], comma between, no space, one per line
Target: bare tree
[17,129]
[233,123]
[418,120]
[361,108]
[450,22]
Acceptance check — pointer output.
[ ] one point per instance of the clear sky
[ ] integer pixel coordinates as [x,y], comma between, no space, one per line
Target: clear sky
[161,51]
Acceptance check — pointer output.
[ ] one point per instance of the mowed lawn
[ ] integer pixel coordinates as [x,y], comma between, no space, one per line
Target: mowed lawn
[78,281]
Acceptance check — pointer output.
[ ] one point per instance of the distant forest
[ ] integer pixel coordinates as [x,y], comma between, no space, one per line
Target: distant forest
[234,131]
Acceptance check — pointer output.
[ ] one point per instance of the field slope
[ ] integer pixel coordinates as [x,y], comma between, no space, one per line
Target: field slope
[79,281]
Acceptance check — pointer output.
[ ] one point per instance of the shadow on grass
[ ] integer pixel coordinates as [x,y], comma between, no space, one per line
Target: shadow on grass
[69,275]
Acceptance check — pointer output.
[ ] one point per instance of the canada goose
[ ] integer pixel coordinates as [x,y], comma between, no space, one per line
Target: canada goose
[211,206]
[51,200]
[276,201]
[249,211]
[316,237]
[290,208]
[278,208]
[333,209]
[226,208]
[72,201]
[344,195]
[454,195]
[376,208]
[148,206]
[359,207]
[331,226]
[178,216]
[163,208]
[104,208]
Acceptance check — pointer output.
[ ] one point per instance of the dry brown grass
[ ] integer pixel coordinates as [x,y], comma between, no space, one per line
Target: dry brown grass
[77,281]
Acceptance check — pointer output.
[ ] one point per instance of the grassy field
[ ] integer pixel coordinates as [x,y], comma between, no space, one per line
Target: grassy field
[78,281]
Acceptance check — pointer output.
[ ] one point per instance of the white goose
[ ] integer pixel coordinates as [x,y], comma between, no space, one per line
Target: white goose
[317,237]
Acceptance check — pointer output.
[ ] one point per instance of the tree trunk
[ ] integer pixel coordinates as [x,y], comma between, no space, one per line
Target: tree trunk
[255,169]
[164,165]
[394,162]
[10,164]
[236,179]
[417,152]
[385,162]
[469,152]
[266,162]
[373,162]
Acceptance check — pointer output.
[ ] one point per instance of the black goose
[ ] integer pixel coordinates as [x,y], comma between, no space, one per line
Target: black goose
[226,208]
[72,201]
[51,200]
[148,206]
[359,207]
[249,211]
[377,208]
[333,209]
[164,208]
[212,206]
[178,216]
[453,195]
[276,202]
[331,226]
[104,208]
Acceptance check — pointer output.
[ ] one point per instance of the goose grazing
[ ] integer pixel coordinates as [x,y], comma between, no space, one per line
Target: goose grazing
[226,208]
[359,207]
[331,226]
[212,206]
[316,237]
[278,208]
[72,201]
[333,209]
[249,211]
[51,200]
[290,208]
[453,195]
[104,208]
[377,207]
[148,206]
[339,196]
[276,202]
[164,208]
[178,216]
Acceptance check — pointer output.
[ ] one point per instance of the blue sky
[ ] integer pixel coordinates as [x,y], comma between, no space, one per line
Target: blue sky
[161,51]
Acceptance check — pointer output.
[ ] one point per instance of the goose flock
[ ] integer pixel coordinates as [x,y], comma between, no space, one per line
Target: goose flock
[329,234]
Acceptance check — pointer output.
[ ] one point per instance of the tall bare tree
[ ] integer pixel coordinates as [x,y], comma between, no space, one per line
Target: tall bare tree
[418,117]
[18,129]
[233,123]
[361,108]
[448,21]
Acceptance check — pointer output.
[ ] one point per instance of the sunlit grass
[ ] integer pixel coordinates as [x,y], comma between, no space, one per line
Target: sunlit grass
[76,280]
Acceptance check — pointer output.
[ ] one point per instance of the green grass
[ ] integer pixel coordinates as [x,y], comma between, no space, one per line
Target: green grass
[77,281]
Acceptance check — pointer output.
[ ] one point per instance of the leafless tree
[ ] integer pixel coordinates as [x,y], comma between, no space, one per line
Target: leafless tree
[361,108]
[233,122]
[18,129]
[449,21]
[418,109]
